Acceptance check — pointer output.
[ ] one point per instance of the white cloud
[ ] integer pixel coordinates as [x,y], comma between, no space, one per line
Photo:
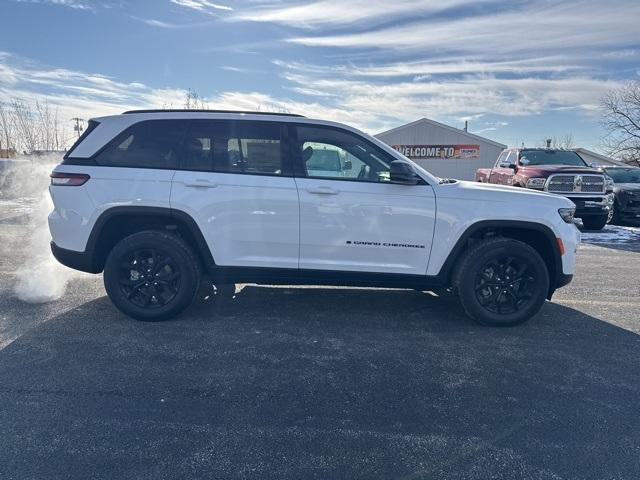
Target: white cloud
[340,12]
[539,27]
[75,4]
[424,69]
[201,5]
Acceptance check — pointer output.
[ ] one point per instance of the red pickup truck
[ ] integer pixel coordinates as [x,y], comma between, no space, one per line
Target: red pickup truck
[562,172]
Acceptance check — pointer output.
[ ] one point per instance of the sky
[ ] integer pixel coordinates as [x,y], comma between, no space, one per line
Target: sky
[517,71]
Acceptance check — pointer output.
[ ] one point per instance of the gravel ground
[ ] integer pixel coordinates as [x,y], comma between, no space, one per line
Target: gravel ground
[323,383]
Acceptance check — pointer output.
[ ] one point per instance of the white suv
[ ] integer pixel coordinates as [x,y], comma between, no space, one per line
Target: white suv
[159,198]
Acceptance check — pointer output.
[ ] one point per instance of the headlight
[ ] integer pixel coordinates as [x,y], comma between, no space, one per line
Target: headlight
[608,183]
[567,214]
[537,182]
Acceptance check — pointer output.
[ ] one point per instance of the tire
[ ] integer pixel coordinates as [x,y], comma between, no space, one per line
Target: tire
[595,223]
[484,280]
[152,275]
[614,218]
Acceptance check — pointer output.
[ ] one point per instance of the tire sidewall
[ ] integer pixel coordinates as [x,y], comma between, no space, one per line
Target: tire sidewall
[168,245]
[467,279]
[599,222]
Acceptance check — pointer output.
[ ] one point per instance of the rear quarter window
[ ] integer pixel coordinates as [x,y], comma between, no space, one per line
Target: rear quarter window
[147,144]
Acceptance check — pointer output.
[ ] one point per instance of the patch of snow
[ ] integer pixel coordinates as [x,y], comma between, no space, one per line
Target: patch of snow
[613,234]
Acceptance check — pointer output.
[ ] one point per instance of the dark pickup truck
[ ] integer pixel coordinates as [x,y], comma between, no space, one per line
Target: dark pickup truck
[562,172]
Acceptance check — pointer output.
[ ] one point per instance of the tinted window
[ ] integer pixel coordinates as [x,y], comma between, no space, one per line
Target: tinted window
[551,157]
[341,155]
[624,175]
[149,144]
[233,147]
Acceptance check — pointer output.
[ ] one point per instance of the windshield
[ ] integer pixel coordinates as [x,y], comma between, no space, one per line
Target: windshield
[551,157]
[624,175]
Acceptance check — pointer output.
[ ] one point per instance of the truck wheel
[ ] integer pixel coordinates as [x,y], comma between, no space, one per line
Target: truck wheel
[595,223]
[501,282]
[151,275]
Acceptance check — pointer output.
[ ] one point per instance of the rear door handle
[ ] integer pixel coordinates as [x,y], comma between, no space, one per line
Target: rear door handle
[323,191]
[200,184]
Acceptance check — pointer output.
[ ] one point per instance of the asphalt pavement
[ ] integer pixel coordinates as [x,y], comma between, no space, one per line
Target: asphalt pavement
[322,383]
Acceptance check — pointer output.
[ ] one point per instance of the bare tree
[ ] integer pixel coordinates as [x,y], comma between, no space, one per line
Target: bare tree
[7,130]
[29,126]
[622,122]
[26,133]
[193,101]
[565,142]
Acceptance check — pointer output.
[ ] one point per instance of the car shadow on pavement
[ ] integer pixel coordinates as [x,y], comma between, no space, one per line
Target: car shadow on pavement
[320,383]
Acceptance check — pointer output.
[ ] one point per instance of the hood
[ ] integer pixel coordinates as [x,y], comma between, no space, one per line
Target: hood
[500,193]
[627,187]
[551,169]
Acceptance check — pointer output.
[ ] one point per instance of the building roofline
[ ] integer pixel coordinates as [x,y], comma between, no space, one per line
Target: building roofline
[599,155]
[444,126]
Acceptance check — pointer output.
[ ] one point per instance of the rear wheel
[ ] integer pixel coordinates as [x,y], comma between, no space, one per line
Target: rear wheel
[151,275]
[501,282]
[595,222]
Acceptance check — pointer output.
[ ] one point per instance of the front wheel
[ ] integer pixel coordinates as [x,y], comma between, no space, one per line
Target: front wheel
[501,282]
[595,222]
[151,275]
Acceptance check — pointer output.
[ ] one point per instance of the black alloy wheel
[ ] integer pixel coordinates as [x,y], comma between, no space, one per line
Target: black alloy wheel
[149,278]
[501,281]
[152,275]
[505,285]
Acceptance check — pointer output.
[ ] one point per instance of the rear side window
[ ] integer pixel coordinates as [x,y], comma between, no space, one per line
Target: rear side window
[253,148]
[90,127]
[148,144]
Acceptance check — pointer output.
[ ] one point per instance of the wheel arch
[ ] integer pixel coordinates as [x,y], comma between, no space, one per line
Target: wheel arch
[538,236]
[116,223]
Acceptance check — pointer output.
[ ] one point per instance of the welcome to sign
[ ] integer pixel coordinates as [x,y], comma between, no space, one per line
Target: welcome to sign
[439,151]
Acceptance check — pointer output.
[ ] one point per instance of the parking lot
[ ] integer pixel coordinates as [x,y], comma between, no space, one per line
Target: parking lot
[323,382]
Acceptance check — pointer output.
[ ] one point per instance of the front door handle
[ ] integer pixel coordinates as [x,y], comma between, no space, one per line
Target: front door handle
[323,191]
[200,184]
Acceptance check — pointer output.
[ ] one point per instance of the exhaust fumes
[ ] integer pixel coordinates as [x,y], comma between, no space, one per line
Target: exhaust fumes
[24,181]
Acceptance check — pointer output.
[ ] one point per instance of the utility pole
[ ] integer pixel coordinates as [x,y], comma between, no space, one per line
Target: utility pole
[78,126]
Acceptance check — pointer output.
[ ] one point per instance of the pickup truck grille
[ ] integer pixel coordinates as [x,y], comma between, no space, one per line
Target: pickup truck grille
[563,183]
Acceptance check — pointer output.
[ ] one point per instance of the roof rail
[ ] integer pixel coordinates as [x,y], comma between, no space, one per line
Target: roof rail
[190,110]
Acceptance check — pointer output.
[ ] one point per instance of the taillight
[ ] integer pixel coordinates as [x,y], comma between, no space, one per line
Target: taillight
[68,179]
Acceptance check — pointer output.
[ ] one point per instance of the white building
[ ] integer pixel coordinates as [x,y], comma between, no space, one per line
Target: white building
[596,158]
[443,150]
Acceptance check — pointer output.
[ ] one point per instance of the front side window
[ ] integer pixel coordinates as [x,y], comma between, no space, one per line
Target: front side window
[233,147]
[148,144]
[509,159]
[337,154]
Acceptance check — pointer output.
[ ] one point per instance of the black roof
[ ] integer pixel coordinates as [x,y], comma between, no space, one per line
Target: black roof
[188,110]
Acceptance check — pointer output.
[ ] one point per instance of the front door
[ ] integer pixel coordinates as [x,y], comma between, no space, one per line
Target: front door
[351,217]
[235,181]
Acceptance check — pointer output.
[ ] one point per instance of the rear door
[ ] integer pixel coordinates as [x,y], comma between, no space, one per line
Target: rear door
[351,217]
[236,182]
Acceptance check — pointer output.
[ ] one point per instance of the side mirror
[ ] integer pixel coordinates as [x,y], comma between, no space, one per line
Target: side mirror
[593,165]
[347,165]
[402,173]
[513,166]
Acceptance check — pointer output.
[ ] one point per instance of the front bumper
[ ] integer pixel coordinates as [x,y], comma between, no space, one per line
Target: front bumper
[628,207]
[592,206]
